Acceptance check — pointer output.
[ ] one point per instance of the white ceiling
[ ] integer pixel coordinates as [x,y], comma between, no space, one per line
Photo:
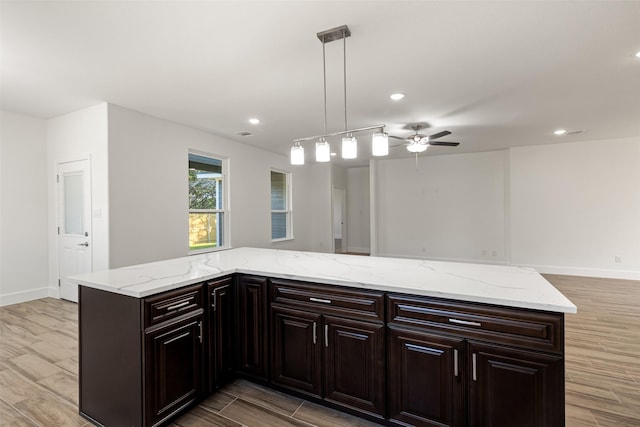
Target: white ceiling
[496,74]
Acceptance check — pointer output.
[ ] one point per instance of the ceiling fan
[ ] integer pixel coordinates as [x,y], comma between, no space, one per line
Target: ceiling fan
[418,143]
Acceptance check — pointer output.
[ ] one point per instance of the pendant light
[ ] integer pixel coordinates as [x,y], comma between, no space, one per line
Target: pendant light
[379,142]
[323,151]
[297,154]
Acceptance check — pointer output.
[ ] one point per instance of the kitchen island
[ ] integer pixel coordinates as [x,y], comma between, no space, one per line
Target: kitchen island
[397,341]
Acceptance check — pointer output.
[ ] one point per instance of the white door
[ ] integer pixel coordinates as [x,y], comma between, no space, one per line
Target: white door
[74,224]
[339,227]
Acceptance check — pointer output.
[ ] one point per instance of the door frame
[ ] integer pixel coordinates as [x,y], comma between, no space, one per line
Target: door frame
[342,193]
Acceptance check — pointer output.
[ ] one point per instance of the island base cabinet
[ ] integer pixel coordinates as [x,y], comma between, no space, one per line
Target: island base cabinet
[296,351]
[354,354]
[221,303]
[174,368]
[425,379]
[253,338]
[510,387]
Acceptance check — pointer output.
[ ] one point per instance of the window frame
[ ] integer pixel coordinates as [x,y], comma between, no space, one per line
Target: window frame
[224,186]
[288,206]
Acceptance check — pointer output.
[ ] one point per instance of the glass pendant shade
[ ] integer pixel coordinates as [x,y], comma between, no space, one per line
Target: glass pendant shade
[416,147]
[297,155]
[349,147]
[380,144]
[323,151]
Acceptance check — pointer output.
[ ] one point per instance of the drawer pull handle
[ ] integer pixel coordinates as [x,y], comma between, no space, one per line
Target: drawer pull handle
[177,306]
[464,322]
[324,301]
[455,363]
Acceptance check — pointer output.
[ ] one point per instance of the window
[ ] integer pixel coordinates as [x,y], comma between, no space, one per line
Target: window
[206,203]
[280,206]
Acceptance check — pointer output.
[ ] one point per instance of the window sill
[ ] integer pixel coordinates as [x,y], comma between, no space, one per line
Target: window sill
[206,250]
[285,239]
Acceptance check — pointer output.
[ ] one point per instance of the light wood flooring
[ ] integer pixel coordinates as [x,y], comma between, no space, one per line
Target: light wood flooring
[39,368]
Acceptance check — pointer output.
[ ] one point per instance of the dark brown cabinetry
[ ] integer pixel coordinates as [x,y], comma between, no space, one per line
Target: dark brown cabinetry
[318,352]
[221,303]
[511,387]
[141,360]
[393,358]
[507,362]
[425,378]
[253,339]
[174,355]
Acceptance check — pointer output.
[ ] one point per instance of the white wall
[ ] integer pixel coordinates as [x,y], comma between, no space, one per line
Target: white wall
[448,207]
[321,225]
[568,208]
[75,136]
[576,206]
[358,231]
[149,194]
[23,209]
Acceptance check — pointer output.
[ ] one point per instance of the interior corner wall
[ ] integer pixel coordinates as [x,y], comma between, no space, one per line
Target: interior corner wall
[448,207]
[23,209]
[358,212]
[148,191]
[75,136]
[575,207]
[321,225]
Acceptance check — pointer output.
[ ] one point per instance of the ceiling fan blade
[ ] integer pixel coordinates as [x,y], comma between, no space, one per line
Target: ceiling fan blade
[446,144]
[439,135]
[397,137]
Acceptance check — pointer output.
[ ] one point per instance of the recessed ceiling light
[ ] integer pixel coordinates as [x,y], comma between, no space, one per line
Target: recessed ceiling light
[254,121]
[397,96]
[559,132]
[638,54]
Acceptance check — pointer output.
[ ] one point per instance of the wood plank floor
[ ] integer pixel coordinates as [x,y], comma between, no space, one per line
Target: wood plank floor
[39,368]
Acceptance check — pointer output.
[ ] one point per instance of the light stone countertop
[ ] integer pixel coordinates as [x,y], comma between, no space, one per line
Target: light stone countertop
[492,284]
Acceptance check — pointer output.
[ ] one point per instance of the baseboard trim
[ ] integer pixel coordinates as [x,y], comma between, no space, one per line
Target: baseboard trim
[585,272]
[24,296]
[358,250]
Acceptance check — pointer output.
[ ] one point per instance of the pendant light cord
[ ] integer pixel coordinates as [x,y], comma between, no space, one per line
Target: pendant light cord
[324,77]
[344,62]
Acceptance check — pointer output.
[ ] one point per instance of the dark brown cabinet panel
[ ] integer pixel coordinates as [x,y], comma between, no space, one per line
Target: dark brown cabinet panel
[252,327]
[296,353]
[221,303]
[174,355]
[425,378]
[354,365]
[510,387]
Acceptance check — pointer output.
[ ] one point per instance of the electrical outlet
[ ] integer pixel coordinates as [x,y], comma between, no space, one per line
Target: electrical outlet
[618,259]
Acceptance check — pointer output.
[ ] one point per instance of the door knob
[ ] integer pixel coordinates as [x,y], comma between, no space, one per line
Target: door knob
[85,244]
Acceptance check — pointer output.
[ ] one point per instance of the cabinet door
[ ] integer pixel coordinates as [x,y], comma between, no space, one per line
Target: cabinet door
[252,327]
[296,350]
[354,364]
[511,387]
[174,367]
[221,333]
[425,378]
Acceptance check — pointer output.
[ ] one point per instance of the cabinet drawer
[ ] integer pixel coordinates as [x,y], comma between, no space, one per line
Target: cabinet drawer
[172,304]
[330,299]
[518,327]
